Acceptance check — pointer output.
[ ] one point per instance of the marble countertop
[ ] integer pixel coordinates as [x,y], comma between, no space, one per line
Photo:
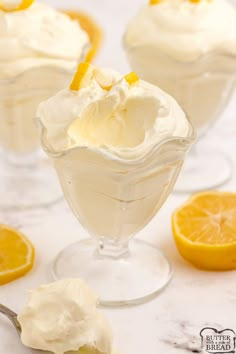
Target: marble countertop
[194,299]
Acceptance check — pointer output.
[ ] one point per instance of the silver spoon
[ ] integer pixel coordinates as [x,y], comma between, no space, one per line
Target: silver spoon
[12,316]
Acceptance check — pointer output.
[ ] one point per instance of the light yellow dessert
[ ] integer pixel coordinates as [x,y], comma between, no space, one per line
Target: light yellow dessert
[39,50]
[118,144]
[115,118]
[62,317]
[187,48]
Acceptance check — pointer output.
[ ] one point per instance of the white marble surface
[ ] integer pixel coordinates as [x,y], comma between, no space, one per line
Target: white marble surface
[194,299]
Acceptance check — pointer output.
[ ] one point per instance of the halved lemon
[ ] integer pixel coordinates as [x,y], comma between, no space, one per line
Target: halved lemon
[16,254]
[204,229]
[91,27]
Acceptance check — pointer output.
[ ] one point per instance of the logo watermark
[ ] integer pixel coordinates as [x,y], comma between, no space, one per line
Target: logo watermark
[218,342]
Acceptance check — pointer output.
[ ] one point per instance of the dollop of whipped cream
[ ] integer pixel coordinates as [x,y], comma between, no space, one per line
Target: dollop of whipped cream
[182,29]
[126,120]
[62,316]
[39,36]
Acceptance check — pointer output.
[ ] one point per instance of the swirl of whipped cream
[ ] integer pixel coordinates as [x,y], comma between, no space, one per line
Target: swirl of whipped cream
[39,36]
[127,120]
[182,29]
[63,316]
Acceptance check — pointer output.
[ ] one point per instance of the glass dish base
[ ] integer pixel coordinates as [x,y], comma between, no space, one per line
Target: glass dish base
[28,186]
[132,279]
[204,171]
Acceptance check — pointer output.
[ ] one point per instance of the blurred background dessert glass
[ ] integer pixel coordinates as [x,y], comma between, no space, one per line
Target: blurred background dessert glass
[188,49]
[39,51]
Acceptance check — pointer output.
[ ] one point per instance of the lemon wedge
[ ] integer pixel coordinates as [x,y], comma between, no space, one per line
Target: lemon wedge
[204,229]
[16,254]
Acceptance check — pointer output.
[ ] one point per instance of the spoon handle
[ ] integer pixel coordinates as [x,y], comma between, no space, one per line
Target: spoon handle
[12,316]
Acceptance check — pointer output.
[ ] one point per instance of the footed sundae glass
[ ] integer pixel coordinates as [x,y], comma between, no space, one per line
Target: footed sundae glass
[26,179]
[203,89]
[113,199]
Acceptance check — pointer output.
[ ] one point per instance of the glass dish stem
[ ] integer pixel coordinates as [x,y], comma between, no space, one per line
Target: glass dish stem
[112,249]
[121,274]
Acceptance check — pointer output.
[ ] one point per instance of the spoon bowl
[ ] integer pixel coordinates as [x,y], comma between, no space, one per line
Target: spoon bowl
[12,316]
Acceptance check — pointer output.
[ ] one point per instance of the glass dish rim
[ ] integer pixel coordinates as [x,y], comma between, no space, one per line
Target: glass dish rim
[55,154]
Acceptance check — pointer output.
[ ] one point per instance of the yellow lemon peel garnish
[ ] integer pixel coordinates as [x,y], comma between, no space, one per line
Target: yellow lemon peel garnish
[197,1]
[23,5]
[83,68]
[132,78]
[107,88]
[104,82]
[155,2]
[79,75]
[93,30]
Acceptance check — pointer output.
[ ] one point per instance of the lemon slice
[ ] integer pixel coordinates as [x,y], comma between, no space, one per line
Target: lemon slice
[23,5]
[205,230]
[77,82]
[132,78]
[16,254]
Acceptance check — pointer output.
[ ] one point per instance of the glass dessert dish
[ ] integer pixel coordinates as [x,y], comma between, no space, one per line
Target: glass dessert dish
[114,197]
[203,89]
[187,48]
[26,179]
[39,50]
[110,261]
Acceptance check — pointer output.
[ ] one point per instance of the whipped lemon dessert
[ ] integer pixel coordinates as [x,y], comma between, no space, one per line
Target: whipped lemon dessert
[39,50]
[188,48]
[118,144]
[62,316]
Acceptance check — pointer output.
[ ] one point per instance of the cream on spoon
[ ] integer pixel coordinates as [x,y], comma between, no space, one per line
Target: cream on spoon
[62,316]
